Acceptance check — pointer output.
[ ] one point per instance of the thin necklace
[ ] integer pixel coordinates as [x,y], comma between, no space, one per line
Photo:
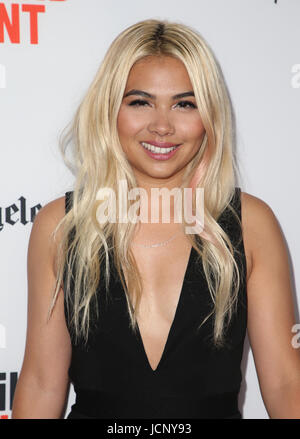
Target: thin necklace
[158,244]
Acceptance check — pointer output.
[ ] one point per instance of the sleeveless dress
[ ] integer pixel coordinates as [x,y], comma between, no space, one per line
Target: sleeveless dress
[112,377]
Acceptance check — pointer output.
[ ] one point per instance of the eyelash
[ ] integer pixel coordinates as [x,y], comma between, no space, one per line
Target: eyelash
[142,103]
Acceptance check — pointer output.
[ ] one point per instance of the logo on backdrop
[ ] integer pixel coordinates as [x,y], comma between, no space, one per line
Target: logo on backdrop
[10,20]
[18,213]
[8,382]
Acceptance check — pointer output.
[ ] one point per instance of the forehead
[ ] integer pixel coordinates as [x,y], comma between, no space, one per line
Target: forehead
[161,73]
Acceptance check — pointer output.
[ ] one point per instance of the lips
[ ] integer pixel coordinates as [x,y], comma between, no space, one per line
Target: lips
[160,153]
[161,144]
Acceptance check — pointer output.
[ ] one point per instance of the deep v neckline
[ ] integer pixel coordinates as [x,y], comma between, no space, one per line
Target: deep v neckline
[173,324]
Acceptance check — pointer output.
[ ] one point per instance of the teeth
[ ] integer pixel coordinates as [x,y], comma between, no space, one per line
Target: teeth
[157,150]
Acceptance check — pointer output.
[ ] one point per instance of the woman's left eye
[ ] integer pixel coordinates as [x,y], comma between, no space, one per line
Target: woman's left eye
[186,104]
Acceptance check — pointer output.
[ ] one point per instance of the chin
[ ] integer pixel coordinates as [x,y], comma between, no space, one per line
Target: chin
[159,173]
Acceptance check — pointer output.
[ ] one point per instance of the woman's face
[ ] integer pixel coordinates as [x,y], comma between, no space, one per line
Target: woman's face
[159,111]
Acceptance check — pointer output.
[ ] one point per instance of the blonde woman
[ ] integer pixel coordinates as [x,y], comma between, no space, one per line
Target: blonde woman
[147,319]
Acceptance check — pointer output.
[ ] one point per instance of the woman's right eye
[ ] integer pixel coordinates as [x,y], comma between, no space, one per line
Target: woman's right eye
[138,103]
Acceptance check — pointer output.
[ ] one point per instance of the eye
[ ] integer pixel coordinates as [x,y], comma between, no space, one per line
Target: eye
[138,103]
[186,104]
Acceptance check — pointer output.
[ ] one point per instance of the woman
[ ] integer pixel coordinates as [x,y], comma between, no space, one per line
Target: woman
[148,318]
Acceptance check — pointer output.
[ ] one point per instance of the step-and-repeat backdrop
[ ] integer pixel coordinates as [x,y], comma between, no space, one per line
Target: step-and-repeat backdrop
[49,53]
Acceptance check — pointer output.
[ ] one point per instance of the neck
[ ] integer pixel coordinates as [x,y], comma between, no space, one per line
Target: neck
[159,195]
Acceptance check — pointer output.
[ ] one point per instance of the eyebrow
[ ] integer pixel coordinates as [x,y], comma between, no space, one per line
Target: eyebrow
[150,96]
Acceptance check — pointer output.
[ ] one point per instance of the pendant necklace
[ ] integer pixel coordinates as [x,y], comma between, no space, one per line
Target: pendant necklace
[158,244]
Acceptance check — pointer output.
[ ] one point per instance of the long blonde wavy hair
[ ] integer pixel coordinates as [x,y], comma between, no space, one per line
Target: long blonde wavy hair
[100,162]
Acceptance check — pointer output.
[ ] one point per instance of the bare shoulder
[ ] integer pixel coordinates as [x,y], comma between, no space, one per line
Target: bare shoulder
[260,228]
[257,216]
[51,214]
[42,239]
[255,212]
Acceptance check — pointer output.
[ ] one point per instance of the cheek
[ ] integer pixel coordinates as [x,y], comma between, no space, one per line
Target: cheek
[192,131]
[199,132]
[128,124]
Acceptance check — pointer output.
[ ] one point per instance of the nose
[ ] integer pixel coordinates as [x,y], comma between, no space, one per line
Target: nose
[161,124]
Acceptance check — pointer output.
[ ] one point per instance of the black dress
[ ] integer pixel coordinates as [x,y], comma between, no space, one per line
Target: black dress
[112,377]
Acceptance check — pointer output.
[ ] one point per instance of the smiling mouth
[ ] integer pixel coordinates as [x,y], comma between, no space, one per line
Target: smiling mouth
[158,150]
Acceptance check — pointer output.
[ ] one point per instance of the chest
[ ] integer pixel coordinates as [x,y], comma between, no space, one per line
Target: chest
[162,270]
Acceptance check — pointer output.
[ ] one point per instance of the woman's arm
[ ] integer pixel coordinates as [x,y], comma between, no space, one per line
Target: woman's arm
[42,386]
[271,313]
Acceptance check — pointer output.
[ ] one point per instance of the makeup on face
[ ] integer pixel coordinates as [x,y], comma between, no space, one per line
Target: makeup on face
[159,125]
